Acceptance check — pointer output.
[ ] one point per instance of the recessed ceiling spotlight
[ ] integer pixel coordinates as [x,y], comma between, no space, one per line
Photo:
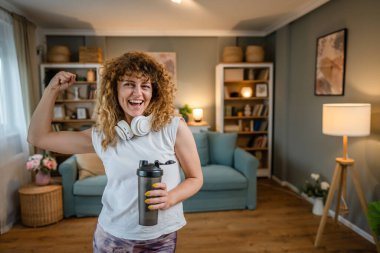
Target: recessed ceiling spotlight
[177,1]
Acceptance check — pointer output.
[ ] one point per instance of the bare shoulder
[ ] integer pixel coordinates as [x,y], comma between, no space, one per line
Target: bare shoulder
[182,127]
[183,132]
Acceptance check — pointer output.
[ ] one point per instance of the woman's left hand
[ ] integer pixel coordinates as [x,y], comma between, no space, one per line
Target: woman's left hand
[158,198]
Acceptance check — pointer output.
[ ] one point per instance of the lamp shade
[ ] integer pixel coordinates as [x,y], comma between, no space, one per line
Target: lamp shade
[246,92]
[346,119]
[197,114]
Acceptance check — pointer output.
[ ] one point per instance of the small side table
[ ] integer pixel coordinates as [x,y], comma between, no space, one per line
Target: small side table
[41,205]
[197,127]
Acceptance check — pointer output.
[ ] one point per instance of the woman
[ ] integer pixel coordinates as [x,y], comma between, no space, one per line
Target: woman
[134,87]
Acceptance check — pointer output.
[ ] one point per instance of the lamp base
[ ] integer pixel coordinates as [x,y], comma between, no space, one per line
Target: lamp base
[337,183]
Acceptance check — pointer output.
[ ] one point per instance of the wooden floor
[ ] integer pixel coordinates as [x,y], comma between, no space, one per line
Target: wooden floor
[282,222]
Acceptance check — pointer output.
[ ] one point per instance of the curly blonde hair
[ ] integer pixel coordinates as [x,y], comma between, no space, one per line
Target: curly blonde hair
[140,64]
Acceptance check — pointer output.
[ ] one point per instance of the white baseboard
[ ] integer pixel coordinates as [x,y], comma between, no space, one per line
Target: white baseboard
[344,221]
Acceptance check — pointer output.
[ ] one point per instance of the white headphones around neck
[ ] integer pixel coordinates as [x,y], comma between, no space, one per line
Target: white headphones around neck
[140,126]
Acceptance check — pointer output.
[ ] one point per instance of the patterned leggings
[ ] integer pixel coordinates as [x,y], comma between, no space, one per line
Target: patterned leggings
[106,243]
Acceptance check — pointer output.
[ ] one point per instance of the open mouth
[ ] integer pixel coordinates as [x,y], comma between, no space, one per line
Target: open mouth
[135,102]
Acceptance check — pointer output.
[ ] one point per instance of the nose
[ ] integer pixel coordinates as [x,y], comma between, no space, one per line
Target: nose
[137,89]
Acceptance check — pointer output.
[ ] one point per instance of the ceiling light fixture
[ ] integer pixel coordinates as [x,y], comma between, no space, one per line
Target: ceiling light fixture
[177,1]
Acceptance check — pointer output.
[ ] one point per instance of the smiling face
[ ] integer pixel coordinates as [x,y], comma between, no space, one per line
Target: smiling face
[134,95]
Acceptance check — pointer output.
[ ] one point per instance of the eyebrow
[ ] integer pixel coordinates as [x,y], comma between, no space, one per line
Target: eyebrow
[132,81]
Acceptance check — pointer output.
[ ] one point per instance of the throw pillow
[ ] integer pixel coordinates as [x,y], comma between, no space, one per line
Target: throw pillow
[89,165]
[222,147]
[201,141]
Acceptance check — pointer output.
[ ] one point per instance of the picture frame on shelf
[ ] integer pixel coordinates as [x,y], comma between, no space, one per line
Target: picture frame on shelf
[261,90]
[330,64]
[59,112]
[81,113]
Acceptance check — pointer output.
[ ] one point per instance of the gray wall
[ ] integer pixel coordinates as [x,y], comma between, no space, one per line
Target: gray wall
[196,60]
[300,148]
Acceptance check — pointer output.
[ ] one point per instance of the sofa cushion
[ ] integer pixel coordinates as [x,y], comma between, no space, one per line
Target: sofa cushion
[221,147]
[89,165]
[201,141]
[91,186]
[220,177]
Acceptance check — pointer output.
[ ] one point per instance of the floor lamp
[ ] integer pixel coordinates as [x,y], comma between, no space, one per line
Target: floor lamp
[345,120]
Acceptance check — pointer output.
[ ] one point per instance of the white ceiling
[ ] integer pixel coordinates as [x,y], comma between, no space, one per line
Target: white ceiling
[161,17]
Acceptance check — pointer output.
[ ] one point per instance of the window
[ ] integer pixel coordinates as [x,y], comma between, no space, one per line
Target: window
[12,117]
[2,113]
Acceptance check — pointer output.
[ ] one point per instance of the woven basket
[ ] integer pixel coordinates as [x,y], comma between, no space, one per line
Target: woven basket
[254,54]
[41,205]
[90,55]
[58,54]
[232,54]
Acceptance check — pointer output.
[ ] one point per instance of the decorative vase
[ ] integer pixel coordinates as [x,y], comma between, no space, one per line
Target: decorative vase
[318,206]
[42,178]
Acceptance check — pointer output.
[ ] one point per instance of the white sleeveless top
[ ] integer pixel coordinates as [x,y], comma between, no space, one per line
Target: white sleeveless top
[119,215]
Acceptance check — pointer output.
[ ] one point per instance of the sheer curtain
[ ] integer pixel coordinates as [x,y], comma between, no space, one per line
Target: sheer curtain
[13,145]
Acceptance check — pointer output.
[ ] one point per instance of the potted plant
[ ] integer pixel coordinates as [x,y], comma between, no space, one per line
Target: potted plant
[317,190]
[374,216]
[185,111]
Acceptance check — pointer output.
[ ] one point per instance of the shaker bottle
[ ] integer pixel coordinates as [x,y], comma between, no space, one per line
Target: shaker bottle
[148,174]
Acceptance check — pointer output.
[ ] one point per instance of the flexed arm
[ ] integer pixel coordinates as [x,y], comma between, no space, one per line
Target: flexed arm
[40,133]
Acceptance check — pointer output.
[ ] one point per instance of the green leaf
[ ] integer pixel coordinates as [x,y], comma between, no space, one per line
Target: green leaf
[374,216]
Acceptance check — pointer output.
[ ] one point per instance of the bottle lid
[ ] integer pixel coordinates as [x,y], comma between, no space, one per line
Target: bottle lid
[149,169]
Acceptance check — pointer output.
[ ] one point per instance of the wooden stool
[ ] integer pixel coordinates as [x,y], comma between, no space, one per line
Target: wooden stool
[41,205]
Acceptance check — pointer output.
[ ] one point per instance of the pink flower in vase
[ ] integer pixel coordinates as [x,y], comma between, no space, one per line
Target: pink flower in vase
[41,163]
[49,163]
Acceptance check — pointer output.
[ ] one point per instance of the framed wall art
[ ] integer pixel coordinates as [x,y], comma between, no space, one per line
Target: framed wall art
[168,59]
[81,113]
[330,64]
[261,90]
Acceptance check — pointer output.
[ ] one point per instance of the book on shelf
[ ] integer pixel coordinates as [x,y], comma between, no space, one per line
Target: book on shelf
[263,74]
[56,127]
[257,110]
[265,111]
[260,141]
[240,123]
[264,143]
[228,110]
[263,126]
[257,125]
[91,92]
[226,92]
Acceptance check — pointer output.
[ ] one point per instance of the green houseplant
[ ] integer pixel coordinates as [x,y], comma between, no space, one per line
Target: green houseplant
[185,111]
[374,216]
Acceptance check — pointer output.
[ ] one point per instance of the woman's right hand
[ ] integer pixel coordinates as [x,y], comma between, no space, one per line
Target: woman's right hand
[62,81]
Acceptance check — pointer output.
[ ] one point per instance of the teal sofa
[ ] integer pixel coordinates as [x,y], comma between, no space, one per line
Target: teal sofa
[229,175]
